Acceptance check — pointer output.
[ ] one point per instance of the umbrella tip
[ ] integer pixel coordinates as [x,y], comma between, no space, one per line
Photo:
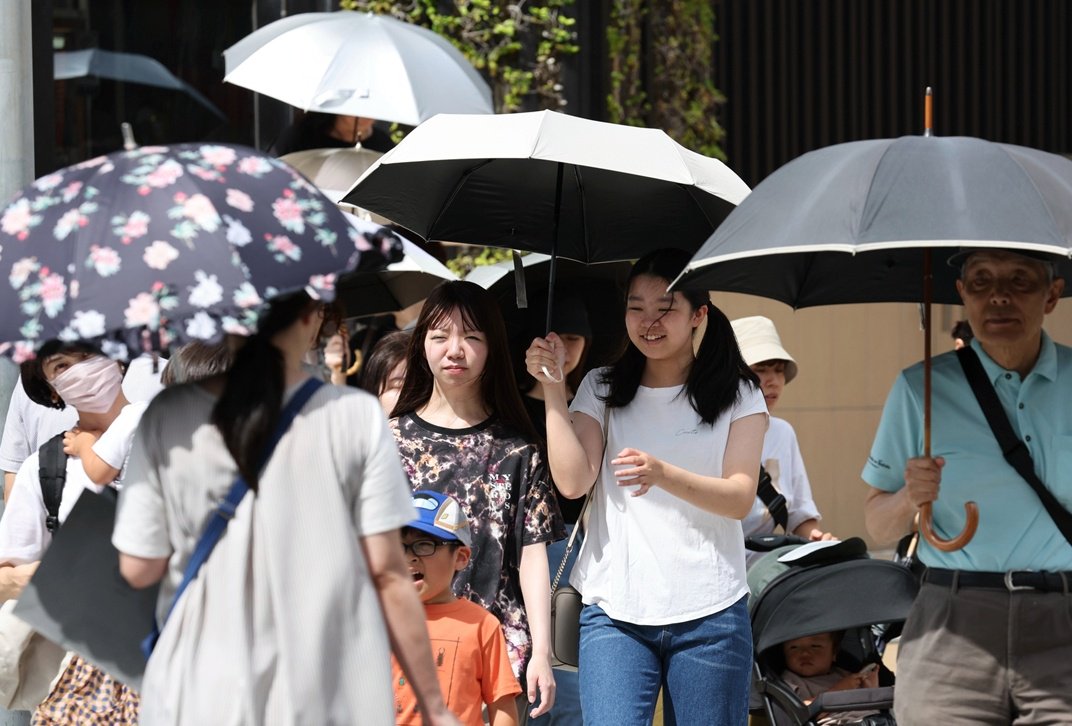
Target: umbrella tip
[129,144]
[927,111]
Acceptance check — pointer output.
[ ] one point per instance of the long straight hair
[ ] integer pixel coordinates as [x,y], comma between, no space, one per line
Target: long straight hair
[713,381]
[247,411]
[498,386]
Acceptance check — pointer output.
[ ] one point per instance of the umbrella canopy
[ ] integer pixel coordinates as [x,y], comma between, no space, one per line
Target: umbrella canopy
[358,64]
[188,239]
[599,287]
[858,222]
[502,181]
[845,224]
[397,286]
[124,67]
[332,170]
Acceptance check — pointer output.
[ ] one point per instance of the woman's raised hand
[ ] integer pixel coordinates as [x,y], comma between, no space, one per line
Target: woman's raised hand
[545,358]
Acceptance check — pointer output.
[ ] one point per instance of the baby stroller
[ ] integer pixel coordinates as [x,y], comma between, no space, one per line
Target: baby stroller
[817,589]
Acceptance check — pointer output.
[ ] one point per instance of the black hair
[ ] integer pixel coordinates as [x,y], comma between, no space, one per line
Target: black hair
[498,386]
[249,407]
[388,352]
[962,329]
[32,371]
[714,377]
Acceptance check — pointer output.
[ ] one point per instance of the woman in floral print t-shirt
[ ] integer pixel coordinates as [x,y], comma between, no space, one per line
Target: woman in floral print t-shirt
[462,429]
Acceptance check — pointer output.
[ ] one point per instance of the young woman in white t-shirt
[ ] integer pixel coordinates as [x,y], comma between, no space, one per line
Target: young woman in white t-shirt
[661,570]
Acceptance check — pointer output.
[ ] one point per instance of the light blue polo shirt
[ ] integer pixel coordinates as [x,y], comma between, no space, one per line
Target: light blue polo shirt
[1015,532]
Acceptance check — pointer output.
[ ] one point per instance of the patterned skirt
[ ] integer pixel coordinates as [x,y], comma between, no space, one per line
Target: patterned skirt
[87,695]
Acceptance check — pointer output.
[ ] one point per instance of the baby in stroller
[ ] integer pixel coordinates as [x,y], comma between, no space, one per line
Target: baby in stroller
[821,614]
[810,671]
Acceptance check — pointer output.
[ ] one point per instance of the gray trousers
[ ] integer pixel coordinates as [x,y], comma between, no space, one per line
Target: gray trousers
[985,656]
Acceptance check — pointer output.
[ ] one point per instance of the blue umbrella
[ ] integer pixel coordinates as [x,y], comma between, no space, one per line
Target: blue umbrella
[163,244]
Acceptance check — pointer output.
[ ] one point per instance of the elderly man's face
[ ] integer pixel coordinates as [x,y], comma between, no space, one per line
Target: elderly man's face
[1006,296]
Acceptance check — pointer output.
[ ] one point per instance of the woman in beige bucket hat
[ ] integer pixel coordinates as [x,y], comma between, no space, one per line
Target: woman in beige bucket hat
[763,352]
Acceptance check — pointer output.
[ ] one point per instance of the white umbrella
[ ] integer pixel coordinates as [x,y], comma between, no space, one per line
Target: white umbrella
[358,64]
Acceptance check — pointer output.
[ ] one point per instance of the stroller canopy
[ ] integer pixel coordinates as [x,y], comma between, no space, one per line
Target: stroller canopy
[816,599]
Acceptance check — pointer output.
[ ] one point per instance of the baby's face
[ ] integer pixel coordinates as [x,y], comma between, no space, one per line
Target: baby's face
[810,656]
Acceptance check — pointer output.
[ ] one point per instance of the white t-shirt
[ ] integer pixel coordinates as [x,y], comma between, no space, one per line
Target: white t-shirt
[782,460]
[29,425]
[23,534]
[284,613]
[113,446]
[141,382]
[657,559]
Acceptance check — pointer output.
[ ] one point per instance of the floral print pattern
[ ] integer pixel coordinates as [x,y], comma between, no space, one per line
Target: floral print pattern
[164,238]
[502,483]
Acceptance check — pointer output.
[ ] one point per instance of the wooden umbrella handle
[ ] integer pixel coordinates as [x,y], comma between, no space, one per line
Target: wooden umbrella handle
[971,510]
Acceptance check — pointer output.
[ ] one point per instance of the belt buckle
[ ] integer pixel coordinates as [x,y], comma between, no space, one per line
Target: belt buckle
[1013,587]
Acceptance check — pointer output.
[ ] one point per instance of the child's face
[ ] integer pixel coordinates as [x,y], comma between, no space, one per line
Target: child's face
[433,573]
[810,656]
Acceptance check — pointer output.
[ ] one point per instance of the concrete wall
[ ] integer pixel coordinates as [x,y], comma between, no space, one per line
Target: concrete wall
[849,356]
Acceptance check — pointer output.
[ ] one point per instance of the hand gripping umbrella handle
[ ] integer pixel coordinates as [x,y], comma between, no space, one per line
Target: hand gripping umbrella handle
[971,510]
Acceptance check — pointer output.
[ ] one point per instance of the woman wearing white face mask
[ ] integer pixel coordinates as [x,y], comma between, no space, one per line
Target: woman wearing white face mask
[76,375]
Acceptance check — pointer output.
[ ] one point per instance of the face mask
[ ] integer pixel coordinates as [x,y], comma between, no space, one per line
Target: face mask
[91,386]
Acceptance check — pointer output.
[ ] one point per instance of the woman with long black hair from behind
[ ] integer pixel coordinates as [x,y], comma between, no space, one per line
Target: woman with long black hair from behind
[661,571]
[285,622]
[462,430]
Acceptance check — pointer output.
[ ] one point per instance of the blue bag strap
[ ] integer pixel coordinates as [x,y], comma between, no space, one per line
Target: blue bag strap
[225,510]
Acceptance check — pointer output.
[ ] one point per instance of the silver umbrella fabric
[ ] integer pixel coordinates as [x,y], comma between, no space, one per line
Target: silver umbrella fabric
[358,64]
[123,67]
[333,171]
[552,183]
[846,223]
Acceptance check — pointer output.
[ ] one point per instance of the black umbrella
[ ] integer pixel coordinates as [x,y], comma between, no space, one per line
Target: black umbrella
[858,222]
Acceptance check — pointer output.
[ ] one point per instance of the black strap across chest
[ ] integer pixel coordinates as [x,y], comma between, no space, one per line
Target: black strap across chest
[1012,448]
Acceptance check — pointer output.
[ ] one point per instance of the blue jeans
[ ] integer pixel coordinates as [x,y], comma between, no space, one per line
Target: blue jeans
[567,708]
[703,666]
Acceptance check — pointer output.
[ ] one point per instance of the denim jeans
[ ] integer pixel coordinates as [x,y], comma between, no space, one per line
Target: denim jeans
[703,666]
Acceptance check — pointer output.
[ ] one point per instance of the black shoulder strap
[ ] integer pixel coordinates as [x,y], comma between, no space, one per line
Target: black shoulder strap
[1012,448]
[52,470]
[773,500]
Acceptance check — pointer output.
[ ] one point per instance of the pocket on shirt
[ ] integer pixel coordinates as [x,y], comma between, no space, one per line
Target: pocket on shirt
[1058,476]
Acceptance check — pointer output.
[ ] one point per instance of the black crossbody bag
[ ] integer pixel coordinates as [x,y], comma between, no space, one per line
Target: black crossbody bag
[1012,448]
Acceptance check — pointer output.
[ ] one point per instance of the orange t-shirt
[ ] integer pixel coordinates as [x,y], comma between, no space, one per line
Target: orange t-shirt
[470,657]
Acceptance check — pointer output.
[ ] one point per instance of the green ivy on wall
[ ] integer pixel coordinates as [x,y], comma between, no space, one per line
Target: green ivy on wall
[661,56]
[518,46]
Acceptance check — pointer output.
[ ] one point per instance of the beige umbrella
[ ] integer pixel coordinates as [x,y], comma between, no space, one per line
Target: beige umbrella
[334,171]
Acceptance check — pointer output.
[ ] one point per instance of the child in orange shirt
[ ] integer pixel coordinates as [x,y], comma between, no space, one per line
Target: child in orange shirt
[467,641]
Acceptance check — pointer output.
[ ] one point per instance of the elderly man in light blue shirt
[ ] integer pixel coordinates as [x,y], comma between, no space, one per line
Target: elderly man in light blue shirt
[983,646]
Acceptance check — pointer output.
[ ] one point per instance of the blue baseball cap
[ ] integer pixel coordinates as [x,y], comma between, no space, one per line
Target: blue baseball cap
[441,516]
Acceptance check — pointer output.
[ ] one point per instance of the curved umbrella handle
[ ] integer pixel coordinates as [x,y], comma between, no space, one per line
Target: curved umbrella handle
[971,510]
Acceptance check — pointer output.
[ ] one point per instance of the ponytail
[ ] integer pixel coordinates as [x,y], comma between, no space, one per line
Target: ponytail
[247,411]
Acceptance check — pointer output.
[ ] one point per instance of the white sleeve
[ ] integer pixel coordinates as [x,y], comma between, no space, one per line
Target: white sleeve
[14,446]
[23,534]
[587,400]
[141,516]
[114,444]
[383,500]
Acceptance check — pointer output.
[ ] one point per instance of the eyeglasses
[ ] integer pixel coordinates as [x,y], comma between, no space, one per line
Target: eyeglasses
[425,547]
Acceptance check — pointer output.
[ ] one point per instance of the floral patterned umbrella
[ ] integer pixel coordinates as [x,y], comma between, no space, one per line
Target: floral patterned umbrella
[162,244]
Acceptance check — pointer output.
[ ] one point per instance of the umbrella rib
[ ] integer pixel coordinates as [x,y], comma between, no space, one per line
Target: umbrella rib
[453,193]
[584,216]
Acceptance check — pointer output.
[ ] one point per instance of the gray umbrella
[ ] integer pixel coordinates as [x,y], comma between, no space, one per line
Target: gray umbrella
[124,67]
[846,223]
[859,222]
